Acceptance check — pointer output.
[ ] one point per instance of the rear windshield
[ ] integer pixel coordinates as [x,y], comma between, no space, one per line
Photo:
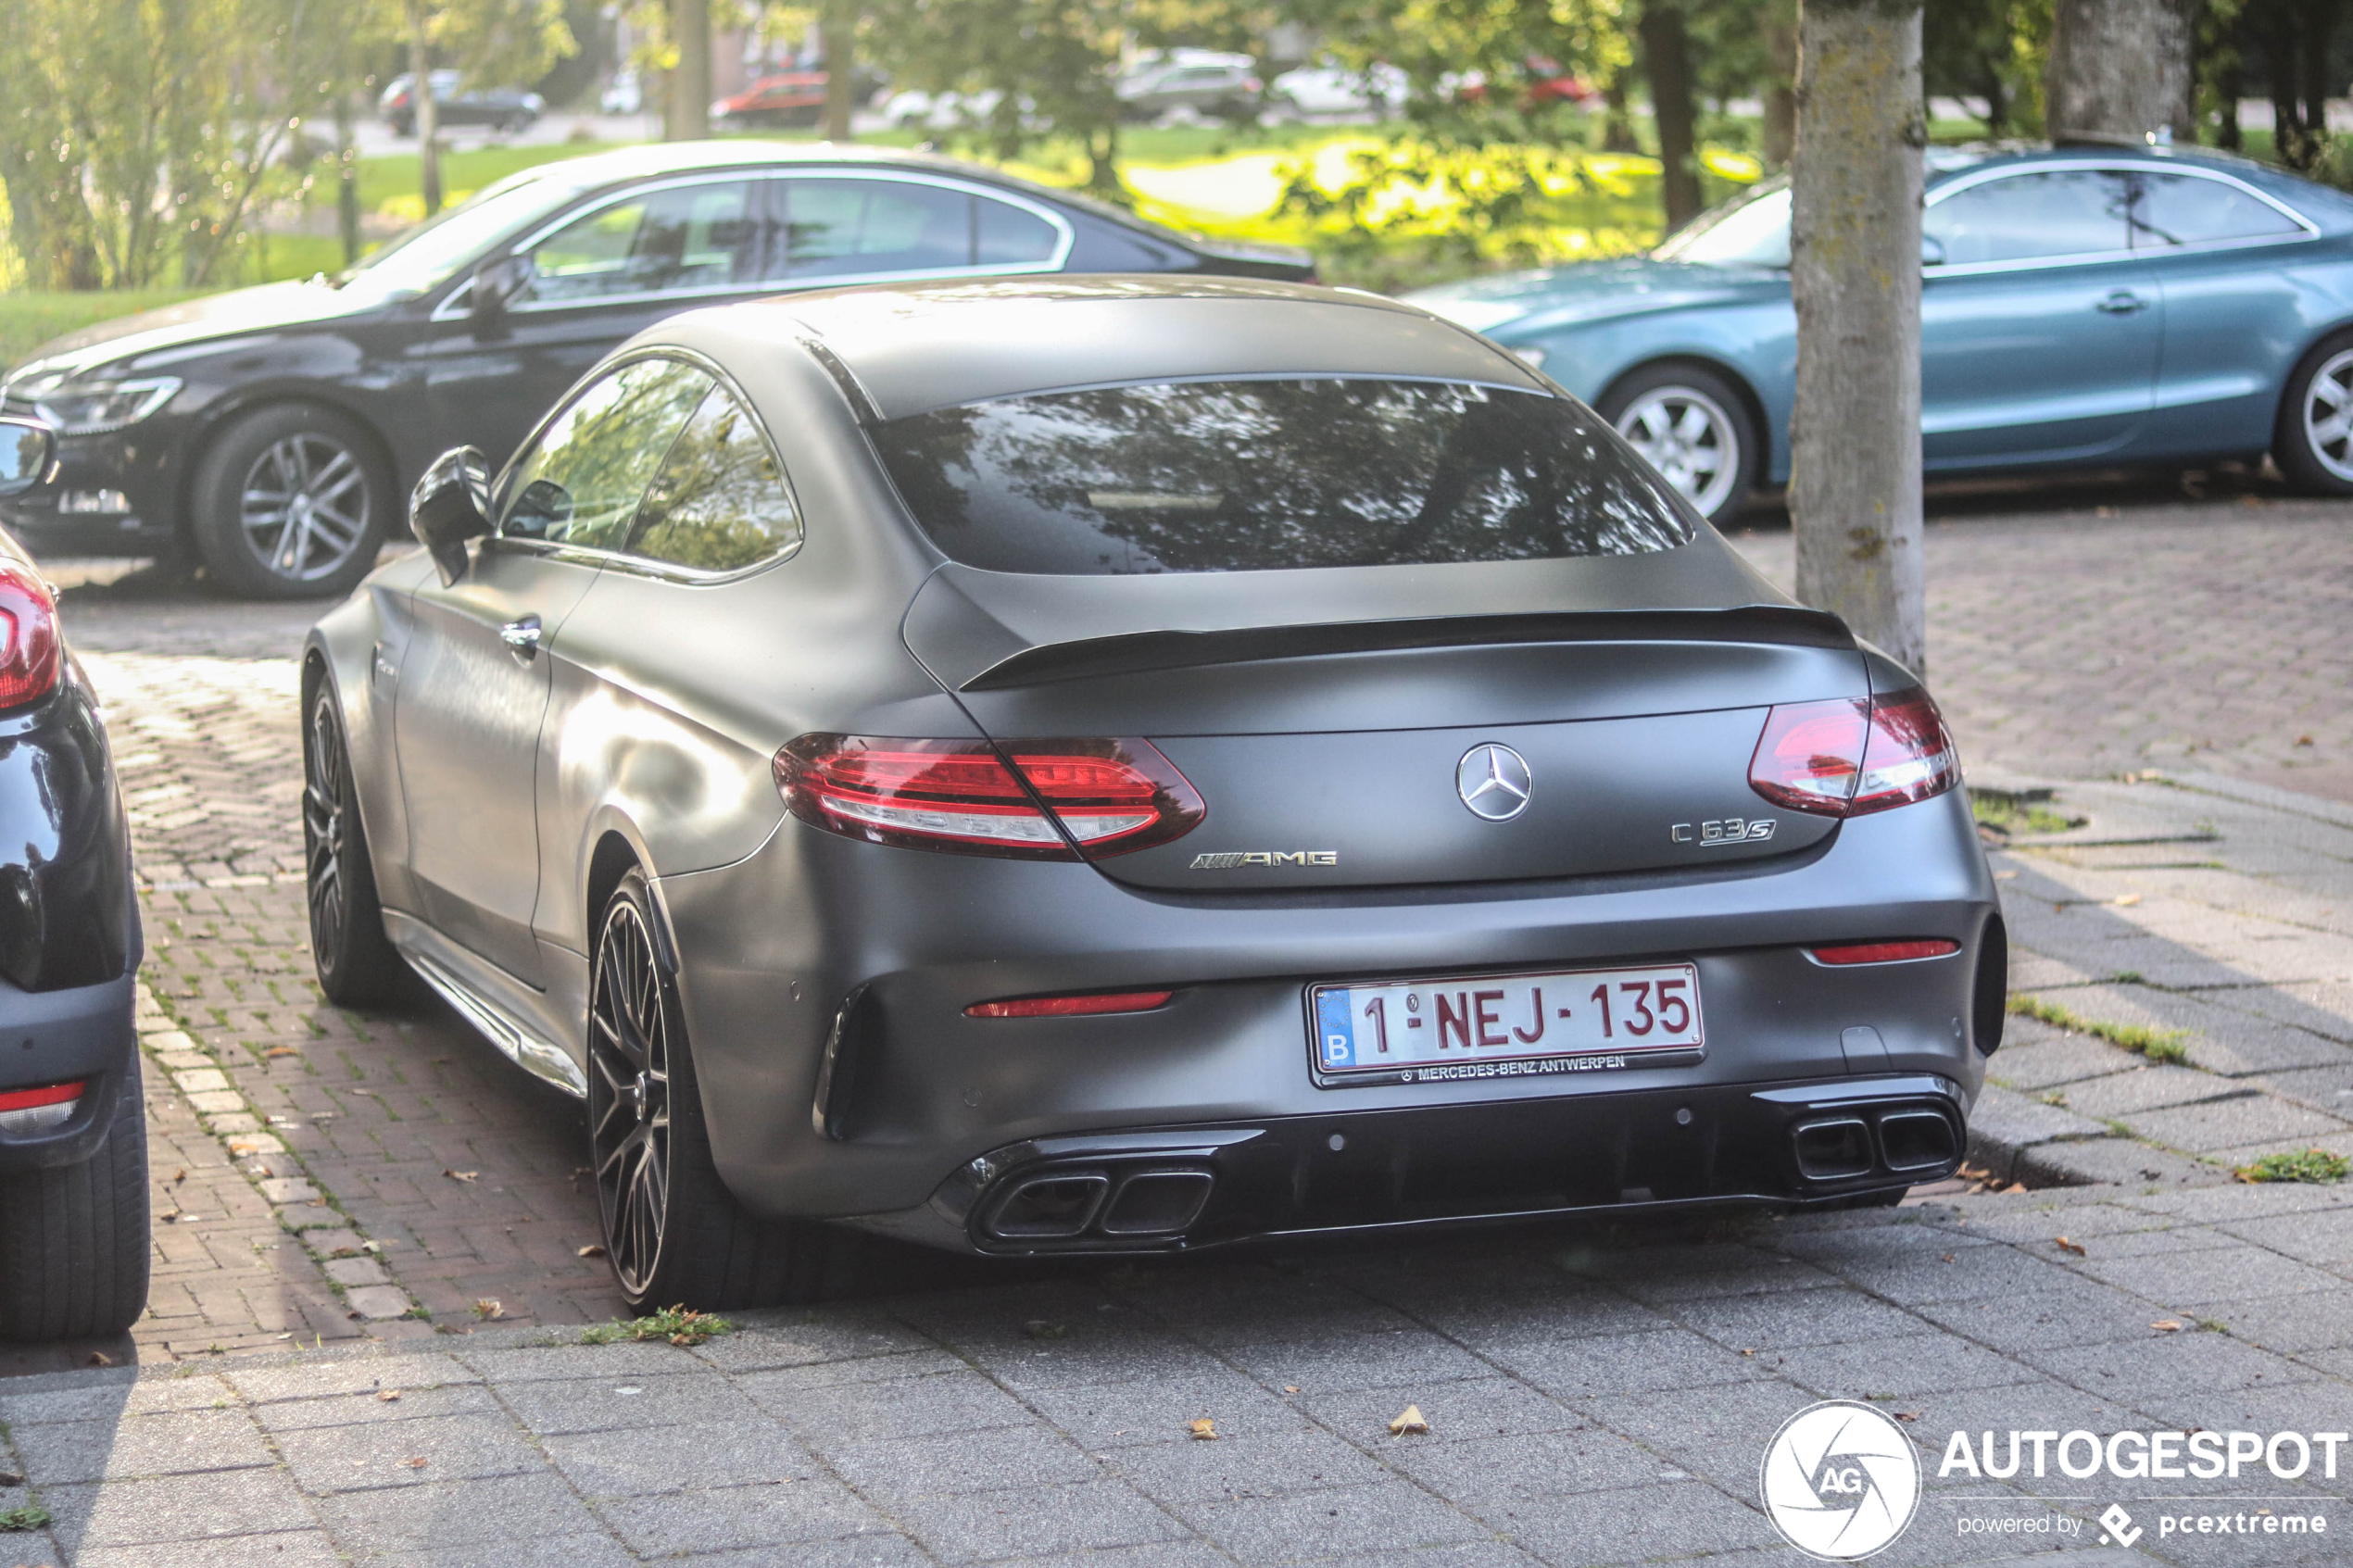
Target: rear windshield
[1262,475]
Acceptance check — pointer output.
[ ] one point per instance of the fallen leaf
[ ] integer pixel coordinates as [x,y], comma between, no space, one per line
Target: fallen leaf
[372,1247]
[2066,1246]
[2304,740]
[2126,901]
[1748,1352]
[1290,1387]
[2167,1325]
[2015,1186]
[1203,1431]
[418,1463]
[11,1478]
[462,1175]
[1908,1416]
[180,1175]
[389,1395]
[1409,1421]
[486,1308]
[99,1358]
[592,1250]
[278,1051]
[1948,1257]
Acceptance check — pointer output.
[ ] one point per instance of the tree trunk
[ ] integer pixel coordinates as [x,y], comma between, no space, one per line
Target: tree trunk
[837,29]
[1854,488]
[2282,59]
[2122,68]
[1618,124]
[346,182]
[691,84]
[1666,61]
[426,112]
[1781,93]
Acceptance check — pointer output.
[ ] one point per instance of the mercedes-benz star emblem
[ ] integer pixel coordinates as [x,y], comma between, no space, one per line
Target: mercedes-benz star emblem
[1493,782]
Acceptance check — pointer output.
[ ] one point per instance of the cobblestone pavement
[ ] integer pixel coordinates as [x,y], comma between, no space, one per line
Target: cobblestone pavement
[2187,946]
[1591,1396]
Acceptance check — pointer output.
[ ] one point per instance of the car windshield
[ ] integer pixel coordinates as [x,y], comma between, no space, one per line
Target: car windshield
[425,257]
[1261,475]
[1750,231]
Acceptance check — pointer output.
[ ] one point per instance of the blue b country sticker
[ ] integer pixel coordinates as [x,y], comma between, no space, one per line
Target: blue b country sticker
[1334,1030]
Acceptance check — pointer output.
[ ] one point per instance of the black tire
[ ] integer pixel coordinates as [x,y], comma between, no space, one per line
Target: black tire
[2318,455]
[74,1243]
[673,1234]
[337,503]
[1635,406]
[356,962]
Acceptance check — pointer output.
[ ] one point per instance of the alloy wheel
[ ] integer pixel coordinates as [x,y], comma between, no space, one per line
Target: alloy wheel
[629,1097]
[304,507]
[1688,438]
[2328,415]
[322,831]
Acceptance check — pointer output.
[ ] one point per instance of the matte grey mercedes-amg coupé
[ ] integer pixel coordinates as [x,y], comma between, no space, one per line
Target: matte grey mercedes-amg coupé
[1121,765]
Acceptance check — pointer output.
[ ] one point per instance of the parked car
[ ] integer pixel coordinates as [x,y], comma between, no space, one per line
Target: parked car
[1052,767]
[1206,83]
[1335,91]
[501,108]
[73,1136]
[914,109]
[792,99]
[272,431]
[2079,306]
[1544,84]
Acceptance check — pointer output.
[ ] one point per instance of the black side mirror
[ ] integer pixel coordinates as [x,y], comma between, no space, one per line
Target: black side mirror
[495,285]
[449,505]
[28,451]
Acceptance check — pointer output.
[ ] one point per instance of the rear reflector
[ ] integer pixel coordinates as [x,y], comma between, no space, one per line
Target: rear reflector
[1069,1007]
[1107,796]
[1885,952]
[1851,755]
[25,1111]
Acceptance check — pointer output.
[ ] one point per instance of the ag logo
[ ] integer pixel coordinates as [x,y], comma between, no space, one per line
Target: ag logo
[1840,1480]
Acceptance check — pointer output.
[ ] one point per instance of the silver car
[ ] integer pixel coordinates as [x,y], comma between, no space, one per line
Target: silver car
[1125,765]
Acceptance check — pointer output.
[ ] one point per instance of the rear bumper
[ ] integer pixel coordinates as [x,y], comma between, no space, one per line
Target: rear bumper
[1181,1189]
[824,984]
[56,1036]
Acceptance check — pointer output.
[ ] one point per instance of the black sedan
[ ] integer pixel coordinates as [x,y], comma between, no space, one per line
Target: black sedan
[271,431]
[1124,765]
[74,1140]
[501,108]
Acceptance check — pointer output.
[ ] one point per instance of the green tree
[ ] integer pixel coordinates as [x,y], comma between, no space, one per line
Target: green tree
[487,40]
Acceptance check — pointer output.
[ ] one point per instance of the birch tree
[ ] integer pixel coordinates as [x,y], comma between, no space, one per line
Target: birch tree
[1855,487]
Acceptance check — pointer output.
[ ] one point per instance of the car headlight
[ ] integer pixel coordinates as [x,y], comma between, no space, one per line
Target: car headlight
[96,409]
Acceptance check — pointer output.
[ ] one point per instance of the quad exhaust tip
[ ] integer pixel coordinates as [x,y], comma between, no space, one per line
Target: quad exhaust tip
[1902,1140]
[1064,1204]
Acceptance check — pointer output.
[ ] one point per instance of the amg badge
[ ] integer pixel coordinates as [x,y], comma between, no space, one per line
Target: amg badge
[1225,860]
[1732,830]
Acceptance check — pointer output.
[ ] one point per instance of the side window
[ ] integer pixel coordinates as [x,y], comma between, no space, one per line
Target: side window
[680,237]
[2026,216]
[719,502]
[843,228]
[2183,209]
[1007,236]
[580,483]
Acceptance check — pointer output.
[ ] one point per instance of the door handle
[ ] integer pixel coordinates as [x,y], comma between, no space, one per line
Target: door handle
[2123,302]
[522,636]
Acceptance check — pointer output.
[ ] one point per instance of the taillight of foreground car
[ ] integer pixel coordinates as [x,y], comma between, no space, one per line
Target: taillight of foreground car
[26,1111]
[28,636]
[1851,755]
[1108,797]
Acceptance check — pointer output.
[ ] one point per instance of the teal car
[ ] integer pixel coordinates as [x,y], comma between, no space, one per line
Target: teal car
[2080,305]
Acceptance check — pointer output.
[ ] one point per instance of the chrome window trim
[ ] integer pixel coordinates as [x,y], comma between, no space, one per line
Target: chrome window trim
[1974,178]
[588,555]
[457,303]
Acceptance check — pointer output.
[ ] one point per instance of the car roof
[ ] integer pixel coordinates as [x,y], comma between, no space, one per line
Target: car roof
[2325,205]
[911,348]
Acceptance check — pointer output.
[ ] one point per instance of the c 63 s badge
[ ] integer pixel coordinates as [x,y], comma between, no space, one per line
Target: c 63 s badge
[1225,860]
[1732,830]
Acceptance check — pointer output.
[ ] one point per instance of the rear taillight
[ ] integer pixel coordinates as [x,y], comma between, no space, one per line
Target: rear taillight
[1071,1007]
[1852,755]
[26,1111]
[28,636]
[1885,952]
[1107,796]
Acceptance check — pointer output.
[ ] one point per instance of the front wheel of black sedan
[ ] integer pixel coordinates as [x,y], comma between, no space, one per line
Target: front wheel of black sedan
[290,502]
[357,963]
[2313,443]
[673,1234]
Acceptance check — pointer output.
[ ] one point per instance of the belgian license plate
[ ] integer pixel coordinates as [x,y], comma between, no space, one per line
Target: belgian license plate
[1506,1025]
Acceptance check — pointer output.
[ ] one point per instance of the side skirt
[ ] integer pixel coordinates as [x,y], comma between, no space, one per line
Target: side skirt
[457,976]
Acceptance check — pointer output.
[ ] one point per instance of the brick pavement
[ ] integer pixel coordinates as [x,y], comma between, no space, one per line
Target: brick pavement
[1593,1396]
